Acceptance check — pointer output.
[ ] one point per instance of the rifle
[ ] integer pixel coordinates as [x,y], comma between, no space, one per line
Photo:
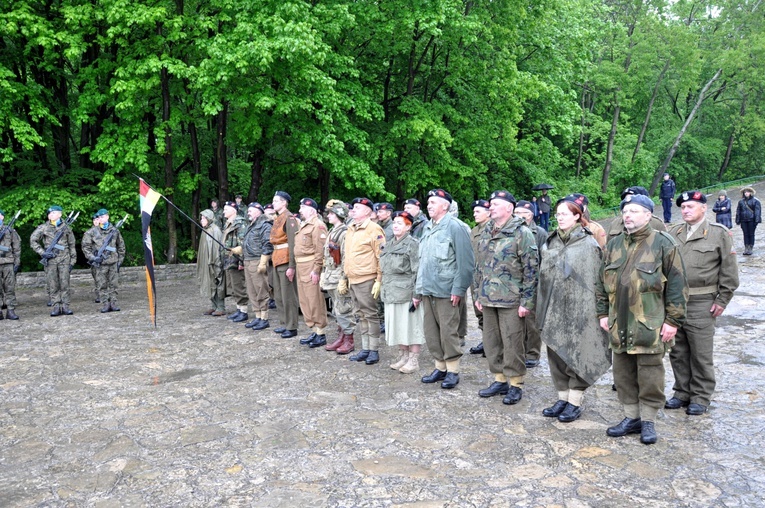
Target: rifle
[105,250]
[5,229]
[48,254]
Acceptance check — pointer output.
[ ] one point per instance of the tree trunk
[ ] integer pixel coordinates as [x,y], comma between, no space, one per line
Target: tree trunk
[196,196]
[256,174]
[663,168]
[731,140]
[220,152]
[581,135]
[323,183]
[610,147]
[172,234]
[650,108]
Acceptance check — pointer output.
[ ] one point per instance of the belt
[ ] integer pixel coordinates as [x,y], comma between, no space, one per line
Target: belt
[281,246]
[305,259]
[702,290]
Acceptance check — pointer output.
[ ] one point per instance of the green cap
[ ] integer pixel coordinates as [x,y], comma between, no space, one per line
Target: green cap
[55,208]
[102,211]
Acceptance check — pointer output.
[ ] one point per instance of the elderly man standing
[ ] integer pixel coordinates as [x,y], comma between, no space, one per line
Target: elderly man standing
[506,283]
[641,302]
[309,259]
[257,250]
[443,277]
[285,290]
[363,273]
[481,214]
[707,250]
[413,207]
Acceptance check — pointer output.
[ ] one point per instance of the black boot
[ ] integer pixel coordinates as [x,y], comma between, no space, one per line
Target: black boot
[105,308]
[319,340]
[360,356]
[55,311]
[307,340]
[113,306]
[648,433]
[66,311]
[12,315]
[373,358]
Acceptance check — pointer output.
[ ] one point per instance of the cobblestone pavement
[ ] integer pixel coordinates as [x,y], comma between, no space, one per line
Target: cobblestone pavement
[102,410]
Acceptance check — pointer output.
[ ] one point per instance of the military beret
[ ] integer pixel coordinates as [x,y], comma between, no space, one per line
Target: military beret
[309,202]
[94,216]
[637,199]
[482,203]
[412,201]
[634,190]
[102,211]
[55,208]
[692,195]
[232,204]
[383,206]
[338,208]
[283,195]
[257,206]
[524,204]
[363,201]
[504,195]
[269,206]
[579,200]
[440,193]
[404,215]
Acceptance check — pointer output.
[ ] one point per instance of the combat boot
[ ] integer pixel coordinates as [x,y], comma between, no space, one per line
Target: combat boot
[65,310]
[106,308]
[372,358]
[113,306]
[347,346]
[339,342]
[12,315]
[412,364]
[360,356]
[55,311]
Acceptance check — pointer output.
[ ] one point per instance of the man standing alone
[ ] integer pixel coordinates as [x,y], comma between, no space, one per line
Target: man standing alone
[667,194]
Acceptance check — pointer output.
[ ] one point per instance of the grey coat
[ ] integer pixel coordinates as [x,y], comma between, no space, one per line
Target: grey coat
[399,260]
[566,312]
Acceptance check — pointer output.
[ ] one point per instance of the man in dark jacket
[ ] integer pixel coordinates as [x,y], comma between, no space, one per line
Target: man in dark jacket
[667,194]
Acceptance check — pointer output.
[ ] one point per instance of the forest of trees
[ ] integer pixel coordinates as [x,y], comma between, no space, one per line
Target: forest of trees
[387,99]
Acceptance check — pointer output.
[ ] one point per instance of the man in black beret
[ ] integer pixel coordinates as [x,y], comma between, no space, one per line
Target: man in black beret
[285,286]
[481,215]
[384,211]
[413,207]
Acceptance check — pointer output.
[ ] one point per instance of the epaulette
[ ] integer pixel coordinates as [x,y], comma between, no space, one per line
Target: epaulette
[717,224]
[668,236]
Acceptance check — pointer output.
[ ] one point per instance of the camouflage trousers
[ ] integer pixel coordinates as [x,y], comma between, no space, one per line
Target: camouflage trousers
[8,286]
[107,281]
[342,308]
[57,278]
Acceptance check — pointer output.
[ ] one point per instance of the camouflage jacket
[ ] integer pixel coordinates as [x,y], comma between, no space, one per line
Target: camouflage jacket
[233,236]
[641,286]
[43,236]
[12,242]
[94,238]
[506,266]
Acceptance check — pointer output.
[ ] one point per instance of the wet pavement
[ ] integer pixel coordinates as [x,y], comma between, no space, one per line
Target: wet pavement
[102,410]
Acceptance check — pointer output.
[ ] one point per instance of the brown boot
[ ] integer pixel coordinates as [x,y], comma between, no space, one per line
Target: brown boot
[347,346]
[339,342]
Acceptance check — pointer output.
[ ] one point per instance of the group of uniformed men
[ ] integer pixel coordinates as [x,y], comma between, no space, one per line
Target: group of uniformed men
[54,241]
[660,290]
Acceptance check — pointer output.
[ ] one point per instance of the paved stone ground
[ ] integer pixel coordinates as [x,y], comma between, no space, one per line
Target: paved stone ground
[104,411]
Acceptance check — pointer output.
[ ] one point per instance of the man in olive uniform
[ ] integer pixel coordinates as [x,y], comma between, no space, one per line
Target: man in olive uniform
[342,305]
[109,262]
[617,225]
[481,214]
[707,250]
[217,211]
[443,277]
[61,258]
[384,211]
[257,251]
[86,238]
[532,340]
[413,207]
[309,259]
[10,260]
[361,263]
[284,284]
[641,301]
[506,281]
[233,262]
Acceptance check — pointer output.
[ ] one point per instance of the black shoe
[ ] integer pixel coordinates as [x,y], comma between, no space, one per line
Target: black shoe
[360,356]
[55,311]
[11,315]
[648,433]
[319,340]
[555,410]
[451,380]
[97,300]
[309,339]
[262,325]
[288,334]
[696,409]
[234,314]
[281,329]
[531,363]
[252,322]
[570,413]
[477,350]
[496,388]
[675,403]
[436,375]
[271,304]
[624,427]
[66,310]
[513,396]
[373,357]
[240,318]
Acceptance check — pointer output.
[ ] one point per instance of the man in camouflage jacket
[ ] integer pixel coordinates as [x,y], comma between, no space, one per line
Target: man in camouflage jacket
[641,302]
[233,260]
[505,282]
[61,259]
[10,260]
[107,267]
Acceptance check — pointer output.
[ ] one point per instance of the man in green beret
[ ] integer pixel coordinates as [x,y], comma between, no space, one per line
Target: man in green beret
[107,260]
[61,258]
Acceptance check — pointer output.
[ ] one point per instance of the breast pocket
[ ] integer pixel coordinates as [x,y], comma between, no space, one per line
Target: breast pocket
[650,276]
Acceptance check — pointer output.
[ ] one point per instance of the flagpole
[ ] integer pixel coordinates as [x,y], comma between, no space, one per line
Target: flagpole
[182,213]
